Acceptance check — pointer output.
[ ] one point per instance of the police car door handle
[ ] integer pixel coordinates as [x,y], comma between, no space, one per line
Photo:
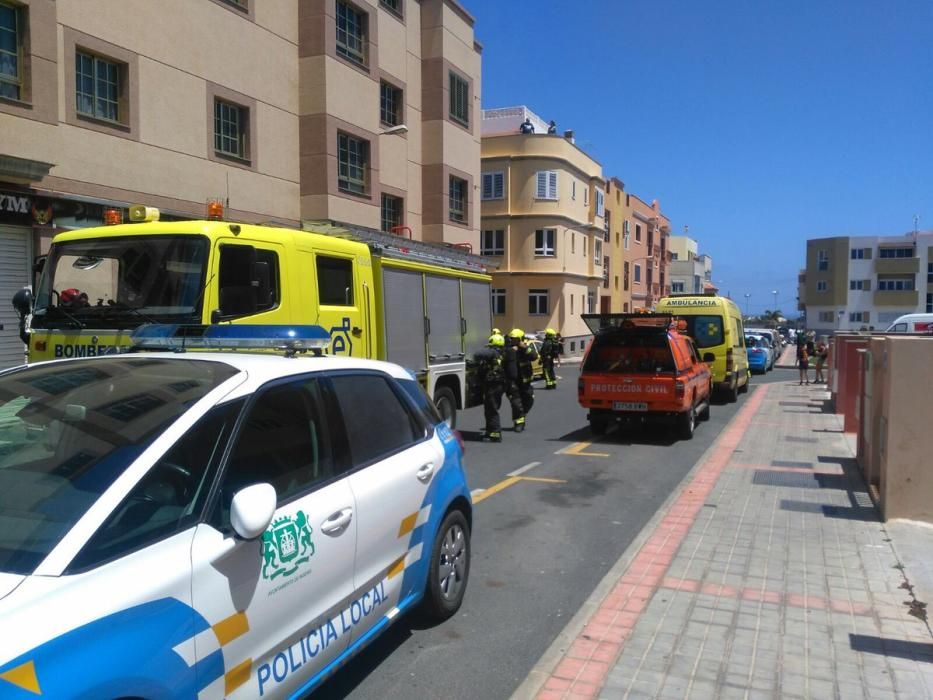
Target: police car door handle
[337,522]
[424,474]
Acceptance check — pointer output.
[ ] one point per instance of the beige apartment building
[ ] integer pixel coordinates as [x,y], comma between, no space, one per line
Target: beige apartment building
[389,116]
[543,206]
[364,112]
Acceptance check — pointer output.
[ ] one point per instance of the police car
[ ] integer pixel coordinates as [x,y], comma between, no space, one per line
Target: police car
[218,524]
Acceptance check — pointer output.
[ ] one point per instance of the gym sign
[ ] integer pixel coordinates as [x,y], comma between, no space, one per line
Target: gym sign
[20,209]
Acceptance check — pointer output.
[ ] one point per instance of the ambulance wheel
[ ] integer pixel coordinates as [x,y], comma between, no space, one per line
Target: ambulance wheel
[446,405]
[448,569]
[732,393]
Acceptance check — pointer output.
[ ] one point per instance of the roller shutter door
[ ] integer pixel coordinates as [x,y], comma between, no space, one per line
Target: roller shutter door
[14,275]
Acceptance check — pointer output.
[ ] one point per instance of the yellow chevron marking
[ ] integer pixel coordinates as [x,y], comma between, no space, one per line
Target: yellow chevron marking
[408,524]
[397,567]
[543,480]
[577,450]
[237,676]
[231,628]
[23,676]
[492,490]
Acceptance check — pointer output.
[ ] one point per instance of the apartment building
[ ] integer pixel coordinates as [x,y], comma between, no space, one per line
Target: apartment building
[854,282]
[691,271]
[389,116]
[364,112]
[543,219]
[104,104]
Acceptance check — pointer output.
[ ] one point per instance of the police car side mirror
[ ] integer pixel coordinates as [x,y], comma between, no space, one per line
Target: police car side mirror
[252,509]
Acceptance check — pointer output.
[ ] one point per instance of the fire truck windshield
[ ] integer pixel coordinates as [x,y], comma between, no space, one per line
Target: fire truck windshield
[121,282]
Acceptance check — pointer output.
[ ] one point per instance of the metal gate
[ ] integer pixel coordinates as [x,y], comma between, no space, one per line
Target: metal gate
[14,275]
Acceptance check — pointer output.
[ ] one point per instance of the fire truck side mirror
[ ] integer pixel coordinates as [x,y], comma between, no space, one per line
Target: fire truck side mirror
[22,302]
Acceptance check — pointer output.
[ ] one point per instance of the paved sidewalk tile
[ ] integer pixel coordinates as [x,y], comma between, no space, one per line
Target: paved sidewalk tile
[770,576]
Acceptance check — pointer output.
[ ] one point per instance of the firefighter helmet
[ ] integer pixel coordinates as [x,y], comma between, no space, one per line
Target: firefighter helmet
[517,333]
[496,340]
[551,333]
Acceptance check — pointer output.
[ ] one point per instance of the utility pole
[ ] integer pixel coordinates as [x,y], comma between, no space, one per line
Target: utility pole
[747,297]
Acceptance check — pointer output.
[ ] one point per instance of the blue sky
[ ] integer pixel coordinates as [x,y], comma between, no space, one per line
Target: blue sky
[758,123]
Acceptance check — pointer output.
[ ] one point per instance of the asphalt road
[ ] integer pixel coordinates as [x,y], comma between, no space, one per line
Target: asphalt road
[541,544]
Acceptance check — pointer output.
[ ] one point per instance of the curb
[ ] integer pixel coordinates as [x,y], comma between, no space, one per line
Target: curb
[543,670]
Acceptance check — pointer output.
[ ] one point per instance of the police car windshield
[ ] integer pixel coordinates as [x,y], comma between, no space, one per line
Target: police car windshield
[122,282]
[67,431]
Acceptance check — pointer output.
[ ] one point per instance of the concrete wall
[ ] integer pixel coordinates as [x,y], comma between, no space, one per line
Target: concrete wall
[905,441]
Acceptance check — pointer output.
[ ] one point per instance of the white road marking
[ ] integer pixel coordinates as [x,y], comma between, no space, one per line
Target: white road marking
[522,470]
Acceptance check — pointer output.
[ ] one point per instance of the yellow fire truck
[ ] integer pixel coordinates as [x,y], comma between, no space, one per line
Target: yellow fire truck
[382,296]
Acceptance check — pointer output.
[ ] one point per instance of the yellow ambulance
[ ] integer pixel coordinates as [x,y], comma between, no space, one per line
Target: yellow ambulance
[715,324]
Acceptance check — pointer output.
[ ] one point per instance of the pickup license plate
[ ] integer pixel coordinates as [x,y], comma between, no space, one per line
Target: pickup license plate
[629,406]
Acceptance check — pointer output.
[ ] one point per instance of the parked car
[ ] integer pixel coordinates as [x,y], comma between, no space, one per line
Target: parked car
[765,342]
[912,323]
[757,354]
[218,524]
[537,366]
[637,368]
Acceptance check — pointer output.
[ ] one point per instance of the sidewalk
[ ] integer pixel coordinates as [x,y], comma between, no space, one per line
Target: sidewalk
[767,575]
[788,358]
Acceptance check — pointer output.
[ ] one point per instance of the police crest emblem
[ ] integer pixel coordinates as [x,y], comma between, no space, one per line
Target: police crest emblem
[286,545]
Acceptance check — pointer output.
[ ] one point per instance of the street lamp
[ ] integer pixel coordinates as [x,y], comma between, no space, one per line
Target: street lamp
[747,297]
[775,293]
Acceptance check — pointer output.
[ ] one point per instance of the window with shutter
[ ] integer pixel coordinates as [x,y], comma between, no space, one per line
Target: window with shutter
[493,185]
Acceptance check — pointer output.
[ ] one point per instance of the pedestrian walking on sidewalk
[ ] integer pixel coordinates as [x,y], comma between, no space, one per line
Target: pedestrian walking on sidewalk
[822,352]
[803,362]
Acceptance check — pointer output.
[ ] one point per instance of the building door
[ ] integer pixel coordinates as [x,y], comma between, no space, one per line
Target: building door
[604,302]
[15,245]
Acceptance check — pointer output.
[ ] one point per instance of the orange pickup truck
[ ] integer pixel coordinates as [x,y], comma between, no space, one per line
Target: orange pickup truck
[640,367]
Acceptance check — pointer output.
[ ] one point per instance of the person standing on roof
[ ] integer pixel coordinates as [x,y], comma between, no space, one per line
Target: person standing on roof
[492,381]
[527,127]
[552,127]
[549,353]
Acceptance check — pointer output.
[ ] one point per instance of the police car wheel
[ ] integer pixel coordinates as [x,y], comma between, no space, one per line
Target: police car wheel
[449,568]
[446,405]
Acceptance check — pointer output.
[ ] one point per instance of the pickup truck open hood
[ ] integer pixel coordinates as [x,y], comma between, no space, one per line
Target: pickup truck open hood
[8,583]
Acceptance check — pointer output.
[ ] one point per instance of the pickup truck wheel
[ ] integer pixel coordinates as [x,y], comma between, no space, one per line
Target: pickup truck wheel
[598,425]
[704,414]
[446,405]
[688,421]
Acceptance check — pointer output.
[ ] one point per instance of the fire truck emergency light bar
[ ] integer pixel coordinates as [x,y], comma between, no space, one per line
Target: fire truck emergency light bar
[180,337]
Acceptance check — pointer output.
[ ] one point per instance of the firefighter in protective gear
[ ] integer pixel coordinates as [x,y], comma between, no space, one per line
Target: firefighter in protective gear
[518,373]
[492,380]
[550,350]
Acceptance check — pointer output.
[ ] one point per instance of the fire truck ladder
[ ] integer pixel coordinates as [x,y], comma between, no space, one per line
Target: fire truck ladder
[391,245]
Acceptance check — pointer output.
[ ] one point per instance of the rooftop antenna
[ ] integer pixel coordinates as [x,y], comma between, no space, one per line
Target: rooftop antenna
[916,224]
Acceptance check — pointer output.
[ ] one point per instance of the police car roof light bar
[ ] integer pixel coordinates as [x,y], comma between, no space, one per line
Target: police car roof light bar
[179,337]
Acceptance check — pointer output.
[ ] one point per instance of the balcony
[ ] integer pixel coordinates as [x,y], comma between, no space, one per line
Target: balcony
[897,266]
[903,299]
